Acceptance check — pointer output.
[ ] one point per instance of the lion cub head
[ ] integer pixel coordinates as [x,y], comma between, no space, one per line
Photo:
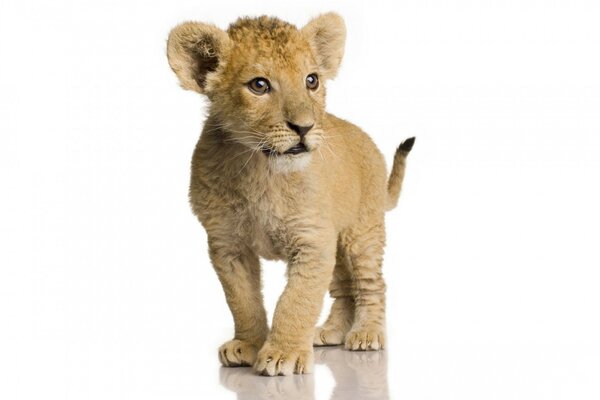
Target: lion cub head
[264,79]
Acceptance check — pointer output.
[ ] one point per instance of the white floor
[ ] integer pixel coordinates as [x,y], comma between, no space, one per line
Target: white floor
[432,372]
[352,375]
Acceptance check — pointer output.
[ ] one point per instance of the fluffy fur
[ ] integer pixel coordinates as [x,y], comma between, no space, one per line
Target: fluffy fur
[322,211]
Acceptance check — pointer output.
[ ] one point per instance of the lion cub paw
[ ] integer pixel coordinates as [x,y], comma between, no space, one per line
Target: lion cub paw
[328,336]
[365,339]
[237,353]
[283,360]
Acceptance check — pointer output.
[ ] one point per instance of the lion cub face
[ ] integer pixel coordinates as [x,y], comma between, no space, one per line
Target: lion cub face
[265,80]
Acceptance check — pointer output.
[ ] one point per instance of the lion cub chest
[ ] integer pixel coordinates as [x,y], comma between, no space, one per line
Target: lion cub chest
[265,229]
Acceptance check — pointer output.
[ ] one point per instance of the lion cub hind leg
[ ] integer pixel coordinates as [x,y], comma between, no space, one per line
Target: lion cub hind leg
[334,330]
[364,250]
[238,353]
[341,316]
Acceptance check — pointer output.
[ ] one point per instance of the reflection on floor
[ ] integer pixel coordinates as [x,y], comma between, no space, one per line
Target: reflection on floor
[358,375]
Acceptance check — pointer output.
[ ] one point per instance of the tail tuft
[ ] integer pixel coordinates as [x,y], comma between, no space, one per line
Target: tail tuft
[397,174]
[407,145]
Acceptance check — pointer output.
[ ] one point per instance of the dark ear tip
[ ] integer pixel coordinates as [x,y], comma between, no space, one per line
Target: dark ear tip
[407,145]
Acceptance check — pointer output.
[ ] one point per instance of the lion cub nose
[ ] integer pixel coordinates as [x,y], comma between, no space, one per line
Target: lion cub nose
[300,130]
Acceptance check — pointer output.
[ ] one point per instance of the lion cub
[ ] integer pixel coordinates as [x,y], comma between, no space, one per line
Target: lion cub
[277,177]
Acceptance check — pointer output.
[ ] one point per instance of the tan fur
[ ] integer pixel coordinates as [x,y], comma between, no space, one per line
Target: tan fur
[321,211]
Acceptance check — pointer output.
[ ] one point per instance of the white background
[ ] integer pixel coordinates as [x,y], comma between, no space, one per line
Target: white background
[493,253]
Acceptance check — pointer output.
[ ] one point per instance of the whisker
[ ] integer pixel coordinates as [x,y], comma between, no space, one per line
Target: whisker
[329,147]
[237,139]
[241,153]
[247,161]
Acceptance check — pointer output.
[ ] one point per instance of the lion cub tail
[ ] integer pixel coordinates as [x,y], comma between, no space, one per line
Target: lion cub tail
[397,174]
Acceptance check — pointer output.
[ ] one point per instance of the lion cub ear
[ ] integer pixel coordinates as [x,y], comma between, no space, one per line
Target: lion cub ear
[326,34]
[194,50]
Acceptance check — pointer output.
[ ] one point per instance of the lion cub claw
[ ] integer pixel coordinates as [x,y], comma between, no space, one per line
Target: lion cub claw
[283,360]
[237,353]
[365,339]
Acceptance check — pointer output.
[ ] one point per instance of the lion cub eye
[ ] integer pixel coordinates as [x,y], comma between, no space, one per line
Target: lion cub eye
[259,86]
[312,81]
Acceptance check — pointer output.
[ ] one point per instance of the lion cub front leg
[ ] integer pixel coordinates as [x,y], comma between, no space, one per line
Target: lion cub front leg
[288,349]
[239,273]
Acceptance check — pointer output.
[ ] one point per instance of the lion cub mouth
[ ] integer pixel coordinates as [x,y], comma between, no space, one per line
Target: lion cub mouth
[297,149]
